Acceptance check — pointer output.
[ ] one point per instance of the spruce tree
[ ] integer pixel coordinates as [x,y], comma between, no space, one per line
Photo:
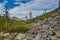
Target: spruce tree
[30,15]
[26,18]
[59,3]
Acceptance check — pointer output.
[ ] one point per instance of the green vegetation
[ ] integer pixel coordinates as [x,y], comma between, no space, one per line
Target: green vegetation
[13,25]
[22,26]
[58,23]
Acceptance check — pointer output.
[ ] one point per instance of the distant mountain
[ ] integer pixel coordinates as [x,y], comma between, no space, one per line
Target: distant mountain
[15,18]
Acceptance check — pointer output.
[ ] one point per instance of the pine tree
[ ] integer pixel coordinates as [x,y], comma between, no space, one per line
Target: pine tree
[30,15]
[26,18]
[59,3]
[44,10]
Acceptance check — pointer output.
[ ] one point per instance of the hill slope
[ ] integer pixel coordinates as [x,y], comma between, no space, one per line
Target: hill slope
[47,28]
[43,16]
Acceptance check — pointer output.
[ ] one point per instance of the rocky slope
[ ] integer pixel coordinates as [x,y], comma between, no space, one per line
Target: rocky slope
[47,29]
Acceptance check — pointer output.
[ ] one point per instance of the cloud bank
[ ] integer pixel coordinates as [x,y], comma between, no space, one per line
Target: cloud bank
[35,6]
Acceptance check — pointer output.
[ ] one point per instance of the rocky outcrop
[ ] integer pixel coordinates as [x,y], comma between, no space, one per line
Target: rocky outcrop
[45,30]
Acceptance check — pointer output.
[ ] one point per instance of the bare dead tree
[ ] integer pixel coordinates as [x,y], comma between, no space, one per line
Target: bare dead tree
[7,17]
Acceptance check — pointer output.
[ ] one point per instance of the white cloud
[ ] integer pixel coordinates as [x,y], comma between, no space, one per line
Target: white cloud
[1,9]
[34,6]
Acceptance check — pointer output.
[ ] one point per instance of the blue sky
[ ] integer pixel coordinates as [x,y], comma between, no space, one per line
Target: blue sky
[11,3]
[21,8]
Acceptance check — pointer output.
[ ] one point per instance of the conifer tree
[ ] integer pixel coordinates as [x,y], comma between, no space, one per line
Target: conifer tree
[26,18]
[45,10]
[59,3]
[30,15]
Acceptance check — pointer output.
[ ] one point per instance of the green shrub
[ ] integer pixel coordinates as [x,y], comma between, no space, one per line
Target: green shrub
[13,25]
[58,23]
